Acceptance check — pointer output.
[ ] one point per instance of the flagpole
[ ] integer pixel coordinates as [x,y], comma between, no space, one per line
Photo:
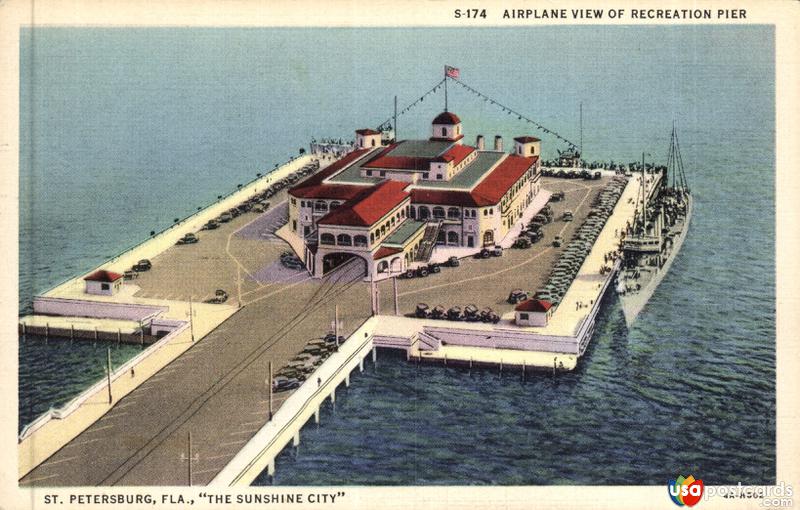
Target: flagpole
[445,88]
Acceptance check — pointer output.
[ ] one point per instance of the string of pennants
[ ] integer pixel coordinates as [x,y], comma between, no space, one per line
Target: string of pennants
[485,97]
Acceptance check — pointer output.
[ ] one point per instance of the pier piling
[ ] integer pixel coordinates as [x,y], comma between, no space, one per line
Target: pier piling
[95,334]
[47,330]
[361,365]
[316,416]
[374,355]
[119,336]
[347,381]
[23,330]
[71,333]
[296,439]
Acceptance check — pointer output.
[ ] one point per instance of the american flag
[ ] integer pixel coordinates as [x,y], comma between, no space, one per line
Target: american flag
[451,72]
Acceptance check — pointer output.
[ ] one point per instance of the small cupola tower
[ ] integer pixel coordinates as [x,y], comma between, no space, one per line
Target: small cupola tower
[447,127]
[367,138]
[527,146]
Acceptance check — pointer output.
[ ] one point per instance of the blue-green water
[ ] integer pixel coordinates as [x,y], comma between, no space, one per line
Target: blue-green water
[124,130]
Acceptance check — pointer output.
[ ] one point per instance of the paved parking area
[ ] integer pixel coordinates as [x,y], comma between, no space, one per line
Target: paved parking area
[487,282]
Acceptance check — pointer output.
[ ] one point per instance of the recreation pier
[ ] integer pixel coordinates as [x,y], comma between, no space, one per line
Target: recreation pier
[198,405]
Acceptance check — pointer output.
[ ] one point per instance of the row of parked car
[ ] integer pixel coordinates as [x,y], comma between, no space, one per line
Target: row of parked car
[470,313]
[533,232]
[571,174]
[259,203]
[304,363]
[566,267]
[423,271]
[140,267]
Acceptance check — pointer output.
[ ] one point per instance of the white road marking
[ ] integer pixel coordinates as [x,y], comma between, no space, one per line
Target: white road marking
[39,479]
[52,462]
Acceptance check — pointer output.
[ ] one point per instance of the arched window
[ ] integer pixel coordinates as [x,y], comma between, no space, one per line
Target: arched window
[444,131]
[327,239]
[424,213]
[396,264]
[440,237]
[320,205]
[392,220]
[360,241]
[412,213]
[383,266]
[453,213]
[372,237]
[452,238]
[334,205]
[344,240]
[438,213]
[373,142]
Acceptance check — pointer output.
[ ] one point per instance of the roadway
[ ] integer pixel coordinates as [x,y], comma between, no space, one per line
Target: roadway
[216,390]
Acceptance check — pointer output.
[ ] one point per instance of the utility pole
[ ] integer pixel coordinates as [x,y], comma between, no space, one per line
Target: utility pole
[108,370]
[270,390]
[395,118]
[191,318]
[189,458]
[396,302]
[336,323]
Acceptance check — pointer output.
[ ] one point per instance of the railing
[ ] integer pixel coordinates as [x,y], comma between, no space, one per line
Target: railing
[76,402]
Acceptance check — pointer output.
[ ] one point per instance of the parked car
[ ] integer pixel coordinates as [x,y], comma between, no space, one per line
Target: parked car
[596,175]
[517,296]
[568,216]
[484,254]
[225,217]
[534,235]
[558,241]
[422,272]
[142,265]
[497,251]
[522,242]
[211,225]
[422,311]
[220,296]
[188,239]
[434,268]
[453,262]
[454,313]
[130,275]
[558,196]
[471,313]
[437,312]
[281,383]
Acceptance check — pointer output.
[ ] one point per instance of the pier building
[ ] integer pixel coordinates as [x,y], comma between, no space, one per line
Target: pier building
[103,283]
[393,203]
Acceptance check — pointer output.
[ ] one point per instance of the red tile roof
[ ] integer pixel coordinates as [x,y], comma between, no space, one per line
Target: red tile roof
[101,275]
[534,305]
[488,192]
[367,132]
[385,251]
[492,188]
[313,187]
[446,118]
[368,206]
[456,154]
[526,139]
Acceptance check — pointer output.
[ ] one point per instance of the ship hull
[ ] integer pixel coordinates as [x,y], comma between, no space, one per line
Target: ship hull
[632,304]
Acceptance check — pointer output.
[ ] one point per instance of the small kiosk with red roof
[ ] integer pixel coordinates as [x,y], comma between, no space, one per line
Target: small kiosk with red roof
[533,312]
[103,283]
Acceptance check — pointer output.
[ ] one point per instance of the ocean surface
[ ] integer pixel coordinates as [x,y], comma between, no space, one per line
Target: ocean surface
[123,130]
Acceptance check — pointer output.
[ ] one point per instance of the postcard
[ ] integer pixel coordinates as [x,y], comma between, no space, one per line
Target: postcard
[399,255]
